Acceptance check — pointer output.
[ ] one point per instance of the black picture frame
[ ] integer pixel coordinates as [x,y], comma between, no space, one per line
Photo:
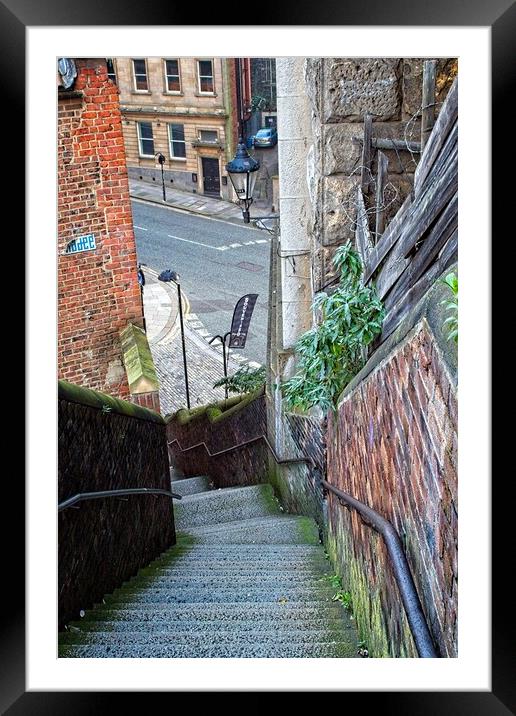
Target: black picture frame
[500,16]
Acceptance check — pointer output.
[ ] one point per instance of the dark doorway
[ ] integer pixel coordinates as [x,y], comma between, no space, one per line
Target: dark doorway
[211,176]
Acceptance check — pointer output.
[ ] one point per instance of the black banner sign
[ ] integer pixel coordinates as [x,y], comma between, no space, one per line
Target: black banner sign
[241,319]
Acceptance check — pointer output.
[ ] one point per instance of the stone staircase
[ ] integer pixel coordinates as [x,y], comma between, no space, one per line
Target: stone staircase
[244,580]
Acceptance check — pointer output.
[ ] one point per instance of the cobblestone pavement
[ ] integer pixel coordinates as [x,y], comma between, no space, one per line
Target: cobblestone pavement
[204,361]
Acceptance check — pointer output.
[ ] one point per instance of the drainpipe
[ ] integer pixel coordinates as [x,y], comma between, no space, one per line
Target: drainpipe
[228,109]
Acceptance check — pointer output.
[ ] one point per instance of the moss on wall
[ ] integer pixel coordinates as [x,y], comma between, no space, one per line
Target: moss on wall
[107,403]
[215,412]
[138,362]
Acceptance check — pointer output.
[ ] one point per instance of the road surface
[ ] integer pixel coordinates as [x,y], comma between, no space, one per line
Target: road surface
[217,263]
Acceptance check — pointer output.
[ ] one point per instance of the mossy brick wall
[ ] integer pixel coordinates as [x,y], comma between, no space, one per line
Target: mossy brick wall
[106,541]
[98,290]
[393,445]
[243,421]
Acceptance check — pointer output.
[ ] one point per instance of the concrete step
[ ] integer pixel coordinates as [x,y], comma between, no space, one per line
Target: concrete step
[223,594]
[188,636]
[214,580]
[283,529]
[339,621]
[237,650]
[223,551]
[314,612]
[226,505]
[191,485]
[235,571]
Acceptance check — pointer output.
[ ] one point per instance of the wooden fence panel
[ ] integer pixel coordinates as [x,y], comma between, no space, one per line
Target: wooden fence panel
[363,239]
[445,120]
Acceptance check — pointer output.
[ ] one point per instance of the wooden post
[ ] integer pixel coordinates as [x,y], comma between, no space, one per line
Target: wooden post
[428,112]
[367,153]
[380,186]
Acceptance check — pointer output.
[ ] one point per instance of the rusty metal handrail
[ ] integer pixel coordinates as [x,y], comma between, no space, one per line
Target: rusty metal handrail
[279,460]
[115,493]
[409,596]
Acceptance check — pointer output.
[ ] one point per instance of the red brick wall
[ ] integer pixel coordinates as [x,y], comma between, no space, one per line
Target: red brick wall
[393,445]
[98,291]
[147,400]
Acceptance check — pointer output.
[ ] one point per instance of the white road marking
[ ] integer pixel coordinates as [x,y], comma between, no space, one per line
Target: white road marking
[219,248]
[199,243]
[142,228]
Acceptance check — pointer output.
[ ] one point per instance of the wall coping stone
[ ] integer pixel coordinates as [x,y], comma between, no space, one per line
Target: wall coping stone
[215,412]
[138,362]
[101,401]
[427,311]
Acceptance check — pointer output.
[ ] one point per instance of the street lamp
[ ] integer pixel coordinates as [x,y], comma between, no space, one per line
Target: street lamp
[162,160]
[242,171]
[173,276]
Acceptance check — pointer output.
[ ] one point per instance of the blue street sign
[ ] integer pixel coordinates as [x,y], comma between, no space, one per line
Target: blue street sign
[81,243]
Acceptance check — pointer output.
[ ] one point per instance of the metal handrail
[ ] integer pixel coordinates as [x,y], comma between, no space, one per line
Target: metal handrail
[402,573]
[279,460]
[115,493]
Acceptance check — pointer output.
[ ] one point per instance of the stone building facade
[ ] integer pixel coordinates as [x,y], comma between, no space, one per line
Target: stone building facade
[98,290]
[392,441]
[185,108]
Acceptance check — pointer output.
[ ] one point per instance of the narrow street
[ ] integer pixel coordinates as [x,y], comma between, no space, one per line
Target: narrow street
[218,262]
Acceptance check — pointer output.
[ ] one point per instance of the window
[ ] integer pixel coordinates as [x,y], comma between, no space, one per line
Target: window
[111,71]
[173,79]
[208,135]
[205,69]
[176,133]
[145,139]
[140,76]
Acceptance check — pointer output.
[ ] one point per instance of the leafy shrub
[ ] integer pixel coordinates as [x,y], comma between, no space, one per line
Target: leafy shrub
[332,353]
[244,380]
[451,304]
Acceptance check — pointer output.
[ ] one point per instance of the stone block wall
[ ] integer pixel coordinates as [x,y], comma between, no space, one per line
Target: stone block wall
[298,484]
[220,426]
[393,446]
[341,92]
[98,290]
[108,444]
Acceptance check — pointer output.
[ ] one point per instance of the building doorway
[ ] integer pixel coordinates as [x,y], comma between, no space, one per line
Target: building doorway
[211,176]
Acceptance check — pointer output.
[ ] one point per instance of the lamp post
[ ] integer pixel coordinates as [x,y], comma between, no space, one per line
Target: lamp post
[242,171]
[167,276]
[162,160]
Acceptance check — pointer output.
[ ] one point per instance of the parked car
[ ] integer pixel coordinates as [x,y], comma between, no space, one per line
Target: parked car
[266,137]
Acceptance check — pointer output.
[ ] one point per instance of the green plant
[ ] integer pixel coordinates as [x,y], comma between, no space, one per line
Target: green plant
[332,353]
[333,579]
[344,598]
[451,305]
[244,380]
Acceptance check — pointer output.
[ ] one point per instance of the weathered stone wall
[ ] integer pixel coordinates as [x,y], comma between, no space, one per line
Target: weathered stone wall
[393,446]
[341,92]
[108,444]
[298,485]
[98,290]
[220,426]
